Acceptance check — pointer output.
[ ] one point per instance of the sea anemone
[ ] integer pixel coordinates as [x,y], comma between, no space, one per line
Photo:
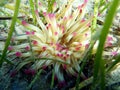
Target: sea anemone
[63,36]
[59,39]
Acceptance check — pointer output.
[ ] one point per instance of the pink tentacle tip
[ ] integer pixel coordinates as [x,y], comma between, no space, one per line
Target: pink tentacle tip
[77,48]
[51,43]
[49,25]
[82,5]
[114,53]
[45,13]
[65,18]
[44,67]
[10,48]
[80,11]
[75,74]
[74,33]
[65,66]
[56,33]
[85,1]
[67,55]
[64,57]
[87,45]
[18,54]
[79,7]
[33,32]
[33,72]
[55,78]
[62,84]
[27,48]
[108,44]
[40,4]
[24,23]
[109,38]
[60,55]
[70,16]
[63,31]
[86,34]
[99,14]
[44,48]
[36,11]
[29,71]
[51,15]
[58,25]
[26,71]
[80,44]
[13,73]
[88,24]
[28,33]
[55,4]
[34,42]
[83,20]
